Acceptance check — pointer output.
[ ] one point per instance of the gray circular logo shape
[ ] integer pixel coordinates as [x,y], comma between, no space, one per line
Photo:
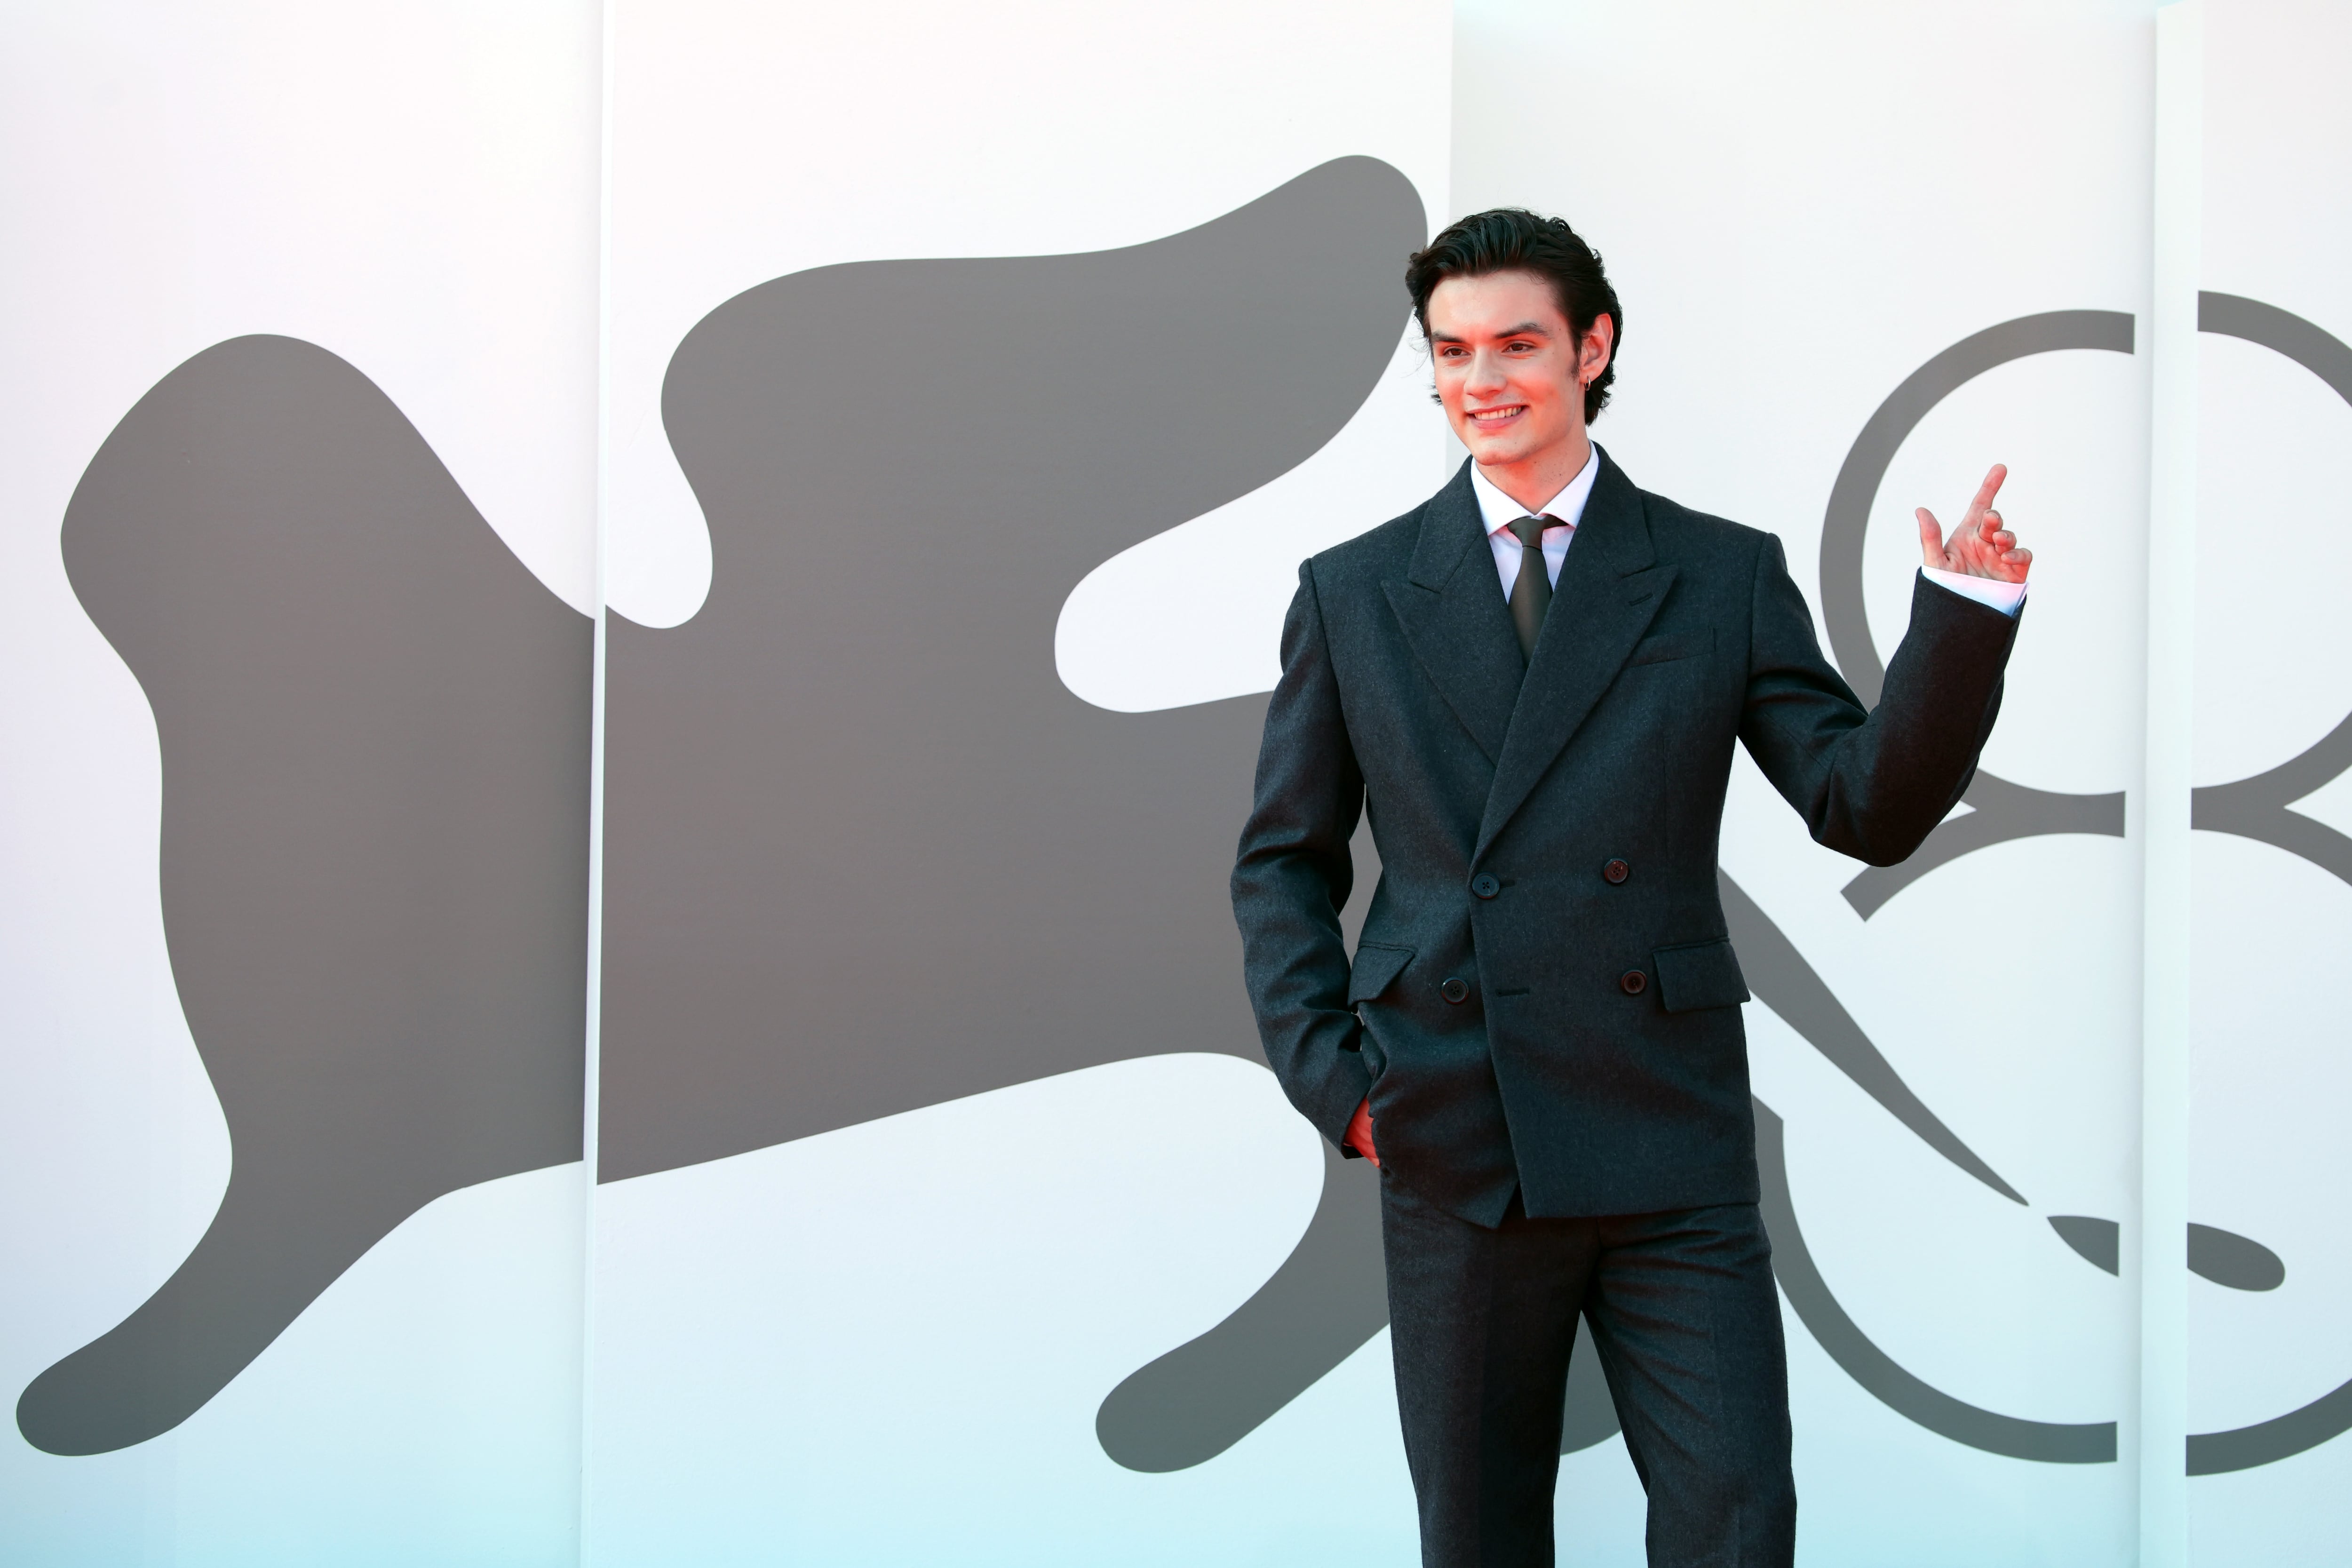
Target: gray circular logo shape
[2257,807]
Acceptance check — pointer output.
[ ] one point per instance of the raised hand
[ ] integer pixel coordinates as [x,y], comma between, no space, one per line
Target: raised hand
[1982,545]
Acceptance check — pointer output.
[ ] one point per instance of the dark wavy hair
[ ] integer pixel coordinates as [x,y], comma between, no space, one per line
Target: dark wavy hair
[1513,239]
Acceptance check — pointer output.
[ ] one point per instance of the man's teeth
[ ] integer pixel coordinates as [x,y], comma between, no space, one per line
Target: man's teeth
[1495,413]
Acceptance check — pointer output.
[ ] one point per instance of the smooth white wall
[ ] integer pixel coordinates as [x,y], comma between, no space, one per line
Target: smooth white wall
[2269,1071]
[414,187]
[876,1345]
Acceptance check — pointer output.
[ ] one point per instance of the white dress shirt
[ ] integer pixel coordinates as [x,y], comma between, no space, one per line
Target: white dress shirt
[1561,514]
[1566,509]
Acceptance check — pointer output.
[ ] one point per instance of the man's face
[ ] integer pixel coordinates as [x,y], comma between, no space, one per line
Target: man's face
[1509,367]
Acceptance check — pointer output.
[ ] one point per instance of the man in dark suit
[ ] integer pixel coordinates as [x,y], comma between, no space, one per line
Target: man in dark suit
[1533,682]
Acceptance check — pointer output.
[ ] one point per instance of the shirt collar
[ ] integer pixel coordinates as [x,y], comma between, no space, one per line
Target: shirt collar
[1499,510]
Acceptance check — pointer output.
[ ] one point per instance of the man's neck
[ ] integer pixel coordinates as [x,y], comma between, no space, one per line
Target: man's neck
[1535,480]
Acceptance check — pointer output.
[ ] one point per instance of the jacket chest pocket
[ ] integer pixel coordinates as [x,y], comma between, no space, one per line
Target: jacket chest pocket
[1667,647]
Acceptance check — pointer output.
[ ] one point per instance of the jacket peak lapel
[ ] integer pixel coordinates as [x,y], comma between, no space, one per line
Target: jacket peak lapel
[1455,618]
[1610,589]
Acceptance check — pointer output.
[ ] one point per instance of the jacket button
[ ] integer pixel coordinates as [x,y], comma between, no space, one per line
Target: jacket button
[1454,989]
[1616,871]
[1485,885]
[1634,981]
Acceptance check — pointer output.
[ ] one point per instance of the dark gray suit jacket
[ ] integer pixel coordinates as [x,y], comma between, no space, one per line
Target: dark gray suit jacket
[1521,1012]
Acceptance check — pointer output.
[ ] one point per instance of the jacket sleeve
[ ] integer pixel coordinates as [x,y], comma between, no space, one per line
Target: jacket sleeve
[1871,785]
[1292,877]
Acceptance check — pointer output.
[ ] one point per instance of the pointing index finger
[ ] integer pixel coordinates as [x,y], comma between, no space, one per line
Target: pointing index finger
[1986,492]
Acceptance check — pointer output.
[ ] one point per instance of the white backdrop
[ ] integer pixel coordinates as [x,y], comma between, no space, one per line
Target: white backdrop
[888,1342]
[870,1347]
[414,188]
[2274,652]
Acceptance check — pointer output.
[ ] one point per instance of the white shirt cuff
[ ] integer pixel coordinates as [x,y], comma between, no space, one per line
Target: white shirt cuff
[1990,591]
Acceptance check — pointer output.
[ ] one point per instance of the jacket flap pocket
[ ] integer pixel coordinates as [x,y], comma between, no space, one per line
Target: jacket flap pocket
[1699,974]
[1376,966]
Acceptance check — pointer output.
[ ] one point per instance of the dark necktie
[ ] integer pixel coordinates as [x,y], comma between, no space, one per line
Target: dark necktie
[1531,590]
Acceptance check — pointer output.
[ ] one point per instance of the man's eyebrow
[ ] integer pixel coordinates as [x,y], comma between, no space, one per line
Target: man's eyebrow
[1523,330]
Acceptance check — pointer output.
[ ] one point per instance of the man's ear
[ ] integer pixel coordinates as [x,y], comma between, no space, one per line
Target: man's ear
[1599,343]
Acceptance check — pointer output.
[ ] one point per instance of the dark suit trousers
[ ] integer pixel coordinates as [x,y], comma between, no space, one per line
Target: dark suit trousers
[1687,1322]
